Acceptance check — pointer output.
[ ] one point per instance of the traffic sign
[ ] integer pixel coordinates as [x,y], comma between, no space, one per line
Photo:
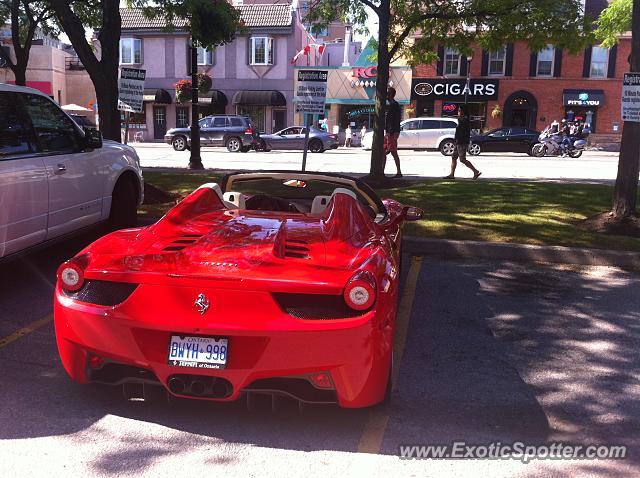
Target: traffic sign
[630,101]
[131,89]
[311,91]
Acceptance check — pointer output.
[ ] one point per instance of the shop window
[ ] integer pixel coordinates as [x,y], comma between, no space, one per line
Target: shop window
[497,61]
[257,115]
[599,62]
[136,120]
[261,51]
[451,62]
[205,56]
[130,51]
[545,61]
[182,117]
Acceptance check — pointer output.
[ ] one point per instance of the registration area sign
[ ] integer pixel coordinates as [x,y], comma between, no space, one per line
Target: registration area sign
[131,90]
[311,91]
[630,101]
[310,98]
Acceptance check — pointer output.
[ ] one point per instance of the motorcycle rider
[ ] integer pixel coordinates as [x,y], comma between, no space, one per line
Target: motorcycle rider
[565,131]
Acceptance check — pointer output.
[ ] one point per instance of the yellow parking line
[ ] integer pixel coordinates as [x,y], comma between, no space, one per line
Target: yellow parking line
[25,330]
[376,424]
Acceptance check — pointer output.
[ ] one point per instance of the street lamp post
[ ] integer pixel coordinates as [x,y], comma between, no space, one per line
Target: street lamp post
[466,90]
[195,161]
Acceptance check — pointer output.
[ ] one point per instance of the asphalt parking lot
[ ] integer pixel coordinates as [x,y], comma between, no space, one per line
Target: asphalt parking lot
[492,352]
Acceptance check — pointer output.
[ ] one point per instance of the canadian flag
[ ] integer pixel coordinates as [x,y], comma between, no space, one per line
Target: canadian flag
[307,49]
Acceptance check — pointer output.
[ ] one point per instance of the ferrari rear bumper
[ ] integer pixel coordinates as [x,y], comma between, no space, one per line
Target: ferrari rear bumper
[273,353]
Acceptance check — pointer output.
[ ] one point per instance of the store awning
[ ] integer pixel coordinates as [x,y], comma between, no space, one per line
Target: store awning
[159,96]
[259,98]
[213,97]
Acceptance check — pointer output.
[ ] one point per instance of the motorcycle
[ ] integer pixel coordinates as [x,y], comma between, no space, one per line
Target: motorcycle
[550,144]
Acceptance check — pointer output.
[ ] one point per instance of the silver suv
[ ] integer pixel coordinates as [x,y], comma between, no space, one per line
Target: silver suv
[423,133]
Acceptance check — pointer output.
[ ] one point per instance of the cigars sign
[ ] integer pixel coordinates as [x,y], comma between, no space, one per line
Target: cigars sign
[454,89]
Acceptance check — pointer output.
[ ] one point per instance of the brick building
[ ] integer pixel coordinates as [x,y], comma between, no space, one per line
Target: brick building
[517,87]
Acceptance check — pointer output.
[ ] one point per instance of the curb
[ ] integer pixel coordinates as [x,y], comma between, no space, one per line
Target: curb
[521,252]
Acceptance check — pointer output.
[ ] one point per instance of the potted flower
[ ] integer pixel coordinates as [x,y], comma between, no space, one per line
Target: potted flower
[204,82]
[183,91]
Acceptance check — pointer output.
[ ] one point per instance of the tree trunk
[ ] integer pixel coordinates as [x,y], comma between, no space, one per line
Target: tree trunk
[626,188]
[103,72]
[378,157]
[20,73]
[107,97]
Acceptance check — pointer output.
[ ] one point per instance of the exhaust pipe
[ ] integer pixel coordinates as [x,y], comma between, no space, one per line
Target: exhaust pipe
[221,389]
[198,387]
[176,385]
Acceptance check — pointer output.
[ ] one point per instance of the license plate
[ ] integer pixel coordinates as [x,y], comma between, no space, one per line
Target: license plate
[198,352]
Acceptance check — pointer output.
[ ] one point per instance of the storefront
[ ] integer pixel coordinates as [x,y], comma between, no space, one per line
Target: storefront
[266,108]
[442,97]
[582,106]
[351,93]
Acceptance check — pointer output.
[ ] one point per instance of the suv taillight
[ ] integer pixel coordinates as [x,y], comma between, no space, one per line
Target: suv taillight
[248,131]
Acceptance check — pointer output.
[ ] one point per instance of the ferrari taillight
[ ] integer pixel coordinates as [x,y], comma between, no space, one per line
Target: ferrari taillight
[360,291]
[71,273]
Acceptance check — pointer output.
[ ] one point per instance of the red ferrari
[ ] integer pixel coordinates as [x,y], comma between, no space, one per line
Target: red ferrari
[278,283]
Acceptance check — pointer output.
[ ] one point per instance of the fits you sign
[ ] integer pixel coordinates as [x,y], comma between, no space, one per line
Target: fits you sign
[311,91]
[131,90]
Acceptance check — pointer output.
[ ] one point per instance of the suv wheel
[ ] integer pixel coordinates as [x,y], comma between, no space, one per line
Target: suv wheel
[124,205]
[179,143]
[245,149]
[447,147]
[233,145]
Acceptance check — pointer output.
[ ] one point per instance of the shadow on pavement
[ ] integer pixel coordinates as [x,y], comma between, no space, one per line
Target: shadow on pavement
[495,352]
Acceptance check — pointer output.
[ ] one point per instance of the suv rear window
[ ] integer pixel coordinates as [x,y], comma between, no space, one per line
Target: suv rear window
[448,124]
[429,124]
[236,121]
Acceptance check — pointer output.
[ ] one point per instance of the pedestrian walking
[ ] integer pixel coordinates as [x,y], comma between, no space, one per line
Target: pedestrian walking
[392,126]
[463,134]
[347,136]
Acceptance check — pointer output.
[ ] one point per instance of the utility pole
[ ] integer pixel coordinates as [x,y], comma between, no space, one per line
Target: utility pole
[195,161]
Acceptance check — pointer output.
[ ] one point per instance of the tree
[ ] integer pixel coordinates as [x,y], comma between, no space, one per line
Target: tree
[25,18]
[75,17]
[619,17]
[211,23]
[414,28]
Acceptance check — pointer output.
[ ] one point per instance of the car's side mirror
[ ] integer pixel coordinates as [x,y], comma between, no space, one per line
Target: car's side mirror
[411,213]
[93,138]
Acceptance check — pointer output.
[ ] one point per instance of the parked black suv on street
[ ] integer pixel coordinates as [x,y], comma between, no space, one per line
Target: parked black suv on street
[235,132]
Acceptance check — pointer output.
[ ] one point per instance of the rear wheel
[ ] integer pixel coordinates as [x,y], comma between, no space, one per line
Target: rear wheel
[575,153]
[315,146]
[245,149]
[179,143]
[124,205]
[447,147]
[233,145]
[389,390]
[474,149]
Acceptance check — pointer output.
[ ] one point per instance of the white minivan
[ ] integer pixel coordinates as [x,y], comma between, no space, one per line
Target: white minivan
[57,178]
[423,133]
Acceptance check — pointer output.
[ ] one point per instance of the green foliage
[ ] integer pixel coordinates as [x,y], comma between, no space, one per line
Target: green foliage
[210,22]
[615,19]
[417,27]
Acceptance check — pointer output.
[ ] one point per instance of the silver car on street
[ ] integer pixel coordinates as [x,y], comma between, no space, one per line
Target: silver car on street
[293,138]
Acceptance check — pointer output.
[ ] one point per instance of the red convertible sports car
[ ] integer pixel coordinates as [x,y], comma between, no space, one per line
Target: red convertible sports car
[278,283]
